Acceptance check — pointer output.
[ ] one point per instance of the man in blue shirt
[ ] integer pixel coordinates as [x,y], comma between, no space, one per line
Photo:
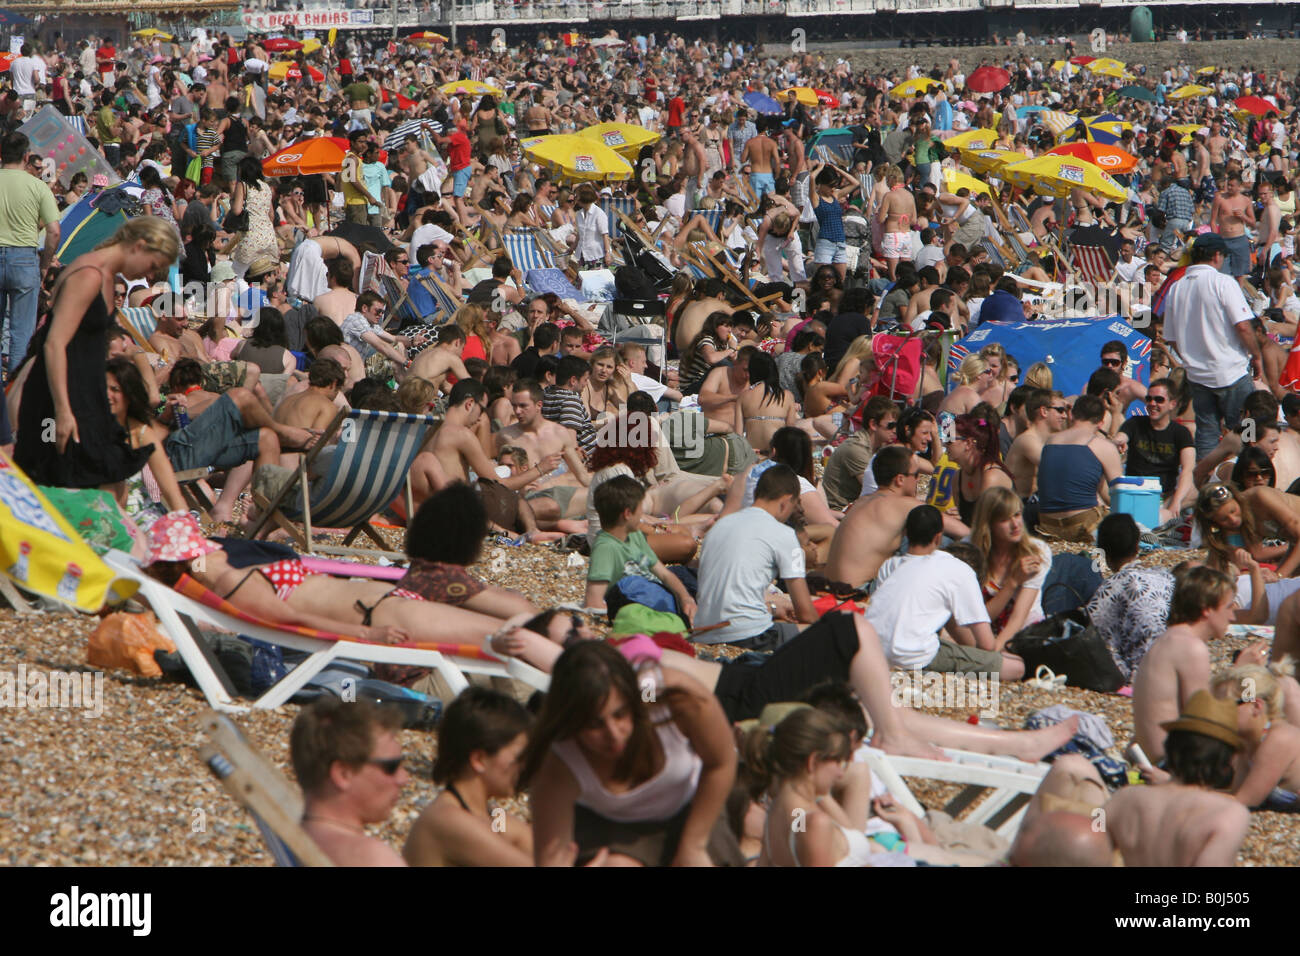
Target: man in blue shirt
[1004,304]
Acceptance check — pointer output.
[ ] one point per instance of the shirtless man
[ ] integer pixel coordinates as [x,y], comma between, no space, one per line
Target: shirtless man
[692,316]
[1217,146]
[1185,822]
[342,790]
[872,530]
[760,159]
[1114,355]
[1058,827]
[417,163]
[455,450]
[1230,216]
[1047,414]
[340,301]
[434,364]
[554,499]
[215,95]
[315,407]
[1177,664]
[1270,220]
[720,392]
[308,273]
[173,339]
[354,367]
[896,213]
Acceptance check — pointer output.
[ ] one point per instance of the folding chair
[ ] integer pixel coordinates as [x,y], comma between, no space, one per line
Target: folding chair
[274,803]
[141,322]
[522,248]
[613,206]
[1091,263]
[183,611]
[444,298]
[369,468]
[1011,781]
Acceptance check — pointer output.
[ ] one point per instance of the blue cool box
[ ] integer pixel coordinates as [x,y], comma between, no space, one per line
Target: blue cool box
[1139,497]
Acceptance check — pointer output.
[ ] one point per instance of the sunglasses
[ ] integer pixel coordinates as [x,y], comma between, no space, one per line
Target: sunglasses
[1156,400]
[1112,363]
[1061,409]
[1217,494]
[389,765]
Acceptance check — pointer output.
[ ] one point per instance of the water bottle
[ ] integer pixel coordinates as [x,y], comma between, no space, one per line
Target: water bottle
[181,415]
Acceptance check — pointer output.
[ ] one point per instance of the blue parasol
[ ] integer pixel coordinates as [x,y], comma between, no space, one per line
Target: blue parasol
[762,103]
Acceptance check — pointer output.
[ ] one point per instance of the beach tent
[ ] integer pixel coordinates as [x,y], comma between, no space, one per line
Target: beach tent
[94,218]
[1070,347]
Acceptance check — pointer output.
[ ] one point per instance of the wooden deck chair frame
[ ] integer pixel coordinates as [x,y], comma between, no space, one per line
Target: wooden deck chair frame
[633,232]
[257,785]
[707,260]
[302,533]
[181,617]
[123,318]
[1005,783]
[443,295]
[478,247]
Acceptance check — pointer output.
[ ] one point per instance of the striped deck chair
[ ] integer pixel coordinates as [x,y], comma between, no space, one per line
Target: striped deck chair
[996,254]
[522,247]
[141,322]
[611,205]
[713,217]
[1091,263]
[274,803]
[369,468]
[443,296]
[183,611]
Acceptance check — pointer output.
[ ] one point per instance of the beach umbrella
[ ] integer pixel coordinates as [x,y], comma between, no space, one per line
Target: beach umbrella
[972,139]
[288,70]
[838,142]
[470,88]
[606,41]
[1082,60]
[93,219]
[1207,71]
[1137,93]
[990,160]
[6,61]
[1057,121]
[1117,72]
[1105,64]
[1110,158]
[914,87]
[403,102]
[149,33]
[1255,105]
[1057,175]
[45,554]
[988,79]
[570,156]
[762,103]
[623,138]
[1059,65]
[404,131]
[311,46]
[804,94]
[1189,92]
[954,180]
[307,157]
[281,45]
[426,36]
[826,98]
[1185,130]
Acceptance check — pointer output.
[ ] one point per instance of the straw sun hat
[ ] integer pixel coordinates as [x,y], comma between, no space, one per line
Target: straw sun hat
[1209,716]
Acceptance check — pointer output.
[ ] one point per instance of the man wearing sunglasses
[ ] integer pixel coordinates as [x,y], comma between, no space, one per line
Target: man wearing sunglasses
[348,762]
[1114,356]
[1159,447]
[1047,414]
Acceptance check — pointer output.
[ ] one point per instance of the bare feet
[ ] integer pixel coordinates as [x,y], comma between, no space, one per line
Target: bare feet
[1034,745]
[293,438]
[907,745]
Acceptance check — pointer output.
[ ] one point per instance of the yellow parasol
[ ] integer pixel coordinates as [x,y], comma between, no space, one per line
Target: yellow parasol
[804,94]
[954,180]
[1117,72]
[1185,131]
[990,160]
[1189,91]
[310,46]
[1057,175]
[1105,65]
[623,138]
[149,33]
[471,88]
[914,87]
[1207,71]
[972,139]
[571,156]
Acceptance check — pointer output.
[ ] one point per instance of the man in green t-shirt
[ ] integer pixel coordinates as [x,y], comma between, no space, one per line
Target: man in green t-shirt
[26,207]
[362,97]
[109,129]
[621,548]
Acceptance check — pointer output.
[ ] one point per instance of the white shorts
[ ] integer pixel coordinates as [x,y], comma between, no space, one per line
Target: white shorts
[1277,591]
[896,245]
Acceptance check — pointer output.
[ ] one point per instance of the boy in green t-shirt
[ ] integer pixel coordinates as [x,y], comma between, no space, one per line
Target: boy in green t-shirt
[621,549]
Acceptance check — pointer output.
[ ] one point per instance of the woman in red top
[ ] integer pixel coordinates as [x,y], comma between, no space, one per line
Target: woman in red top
[478,337]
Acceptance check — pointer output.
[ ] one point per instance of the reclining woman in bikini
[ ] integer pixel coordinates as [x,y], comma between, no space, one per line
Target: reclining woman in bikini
[284,592]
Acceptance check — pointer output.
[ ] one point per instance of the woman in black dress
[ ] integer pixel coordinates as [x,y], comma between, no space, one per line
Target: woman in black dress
[67,385]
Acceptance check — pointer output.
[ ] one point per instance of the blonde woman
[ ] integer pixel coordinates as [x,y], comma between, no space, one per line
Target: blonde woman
[1000,383]
[1016,563]
[1268,777]
[67,383]
[972,375]
[1039,375]
[606,390]
[849,371]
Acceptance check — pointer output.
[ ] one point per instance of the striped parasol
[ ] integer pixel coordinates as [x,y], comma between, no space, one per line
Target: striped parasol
[409,129]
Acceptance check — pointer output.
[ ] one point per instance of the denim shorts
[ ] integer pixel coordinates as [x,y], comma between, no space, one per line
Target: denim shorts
[830,252]
[460,180]
[216,439]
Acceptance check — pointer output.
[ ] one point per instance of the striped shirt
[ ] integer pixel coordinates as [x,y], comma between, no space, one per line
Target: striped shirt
[565,407]
[206,139]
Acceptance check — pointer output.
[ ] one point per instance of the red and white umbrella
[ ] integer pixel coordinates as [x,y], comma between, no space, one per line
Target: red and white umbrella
[827,99]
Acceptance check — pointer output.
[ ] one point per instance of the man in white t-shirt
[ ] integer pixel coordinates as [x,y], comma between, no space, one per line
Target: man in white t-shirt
[27,73]
[743,553]
[1207,322]
[936,590]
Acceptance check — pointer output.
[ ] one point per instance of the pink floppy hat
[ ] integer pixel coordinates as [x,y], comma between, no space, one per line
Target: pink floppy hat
[177,537]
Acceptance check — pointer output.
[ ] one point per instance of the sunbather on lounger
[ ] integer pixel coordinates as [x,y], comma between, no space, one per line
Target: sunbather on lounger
[349,764]
[283,592]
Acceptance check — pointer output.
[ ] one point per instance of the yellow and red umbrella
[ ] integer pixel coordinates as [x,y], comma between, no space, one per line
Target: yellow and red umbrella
[990,160]
[426,36]
[288,70]
[1110,158]
[470,88]
[1255,105]
[308,157]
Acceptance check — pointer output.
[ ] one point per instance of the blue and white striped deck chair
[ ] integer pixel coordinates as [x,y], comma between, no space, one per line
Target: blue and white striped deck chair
[76,122]
[141,322]
[840,155]
[368,469]
[624,204]
[447,302]
[523,250]
[274,803]
[714,218]
[548,211]
[697,271]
